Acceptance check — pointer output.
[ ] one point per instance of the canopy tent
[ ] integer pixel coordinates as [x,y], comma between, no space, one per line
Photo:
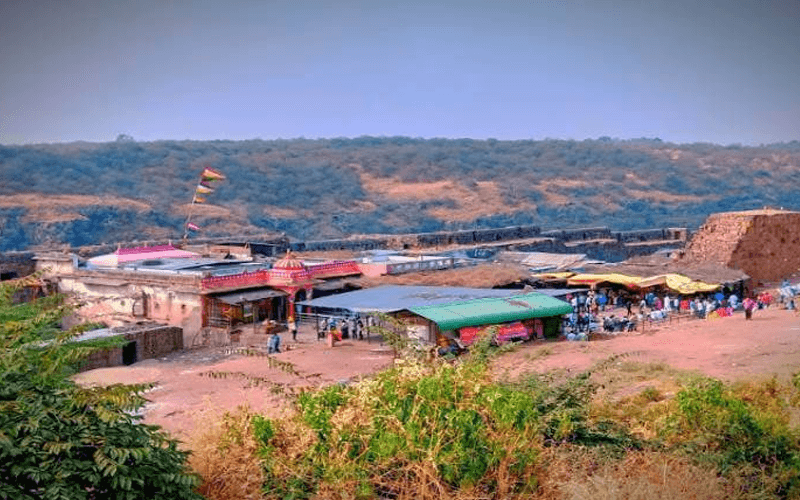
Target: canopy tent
[682,284]
[493,310]
[595,279]
[674,281]
[563,275]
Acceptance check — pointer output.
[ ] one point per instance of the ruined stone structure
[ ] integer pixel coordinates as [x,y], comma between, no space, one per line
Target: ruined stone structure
[762,243]
[143,341]
[597,242]
[16,265]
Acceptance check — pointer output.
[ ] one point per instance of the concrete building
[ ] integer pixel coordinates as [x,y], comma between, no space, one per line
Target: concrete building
[204,297]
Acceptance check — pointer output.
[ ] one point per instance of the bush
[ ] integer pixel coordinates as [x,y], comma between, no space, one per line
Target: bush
[742,438]
[59,440]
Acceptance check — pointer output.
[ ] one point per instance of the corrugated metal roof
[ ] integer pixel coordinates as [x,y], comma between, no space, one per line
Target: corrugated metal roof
[391,298]
[239,297]
[494,310]
[546,261]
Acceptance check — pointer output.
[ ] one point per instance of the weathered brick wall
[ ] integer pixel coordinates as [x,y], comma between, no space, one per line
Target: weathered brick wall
[103,359]
[157,342]
[718,237]
[152,341]
[762,243]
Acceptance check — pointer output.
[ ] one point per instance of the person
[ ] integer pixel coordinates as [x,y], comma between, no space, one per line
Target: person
[581,302]
[345,329]
[334,333]
[360,328]
[748,304]
[293,329]
[601,301]
[274,344]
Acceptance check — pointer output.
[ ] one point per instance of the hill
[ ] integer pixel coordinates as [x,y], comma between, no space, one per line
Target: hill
[93,193]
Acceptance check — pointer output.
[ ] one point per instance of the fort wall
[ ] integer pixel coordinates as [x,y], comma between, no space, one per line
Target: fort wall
[762,243]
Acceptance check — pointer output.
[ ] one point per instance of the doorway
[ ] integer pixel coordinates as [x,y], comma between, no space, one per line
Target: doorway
[129,353]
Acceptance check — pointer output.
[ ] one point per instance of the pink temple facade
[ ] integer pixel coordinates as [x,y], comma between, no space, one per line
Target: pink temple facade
[280,277]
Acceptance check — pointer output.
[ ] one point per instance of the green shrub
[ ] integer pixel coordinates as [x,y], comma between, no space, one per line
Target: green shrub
[59,440]
[739,437]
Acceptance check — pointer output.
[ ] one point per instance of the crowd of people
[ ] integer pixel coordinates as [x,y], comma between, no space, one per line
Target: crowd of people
[614,311]
[345,328]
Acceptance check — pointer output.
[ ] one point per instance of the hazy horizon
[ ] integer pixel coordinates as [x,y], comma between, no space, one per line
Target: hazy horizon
[87,71]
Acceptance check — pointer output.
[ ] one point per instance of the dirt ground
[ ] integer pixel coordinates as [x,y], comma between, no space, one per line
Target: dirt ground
[193,385]
[729,348]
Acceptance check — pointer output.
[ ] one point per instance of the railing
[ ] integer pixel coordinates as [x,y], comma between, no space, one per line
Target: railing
[266,277]
[260,277]
[335,268]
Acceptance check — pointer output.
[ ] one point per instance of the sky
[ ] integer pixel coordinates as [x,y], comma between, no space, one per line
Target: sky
[720,71]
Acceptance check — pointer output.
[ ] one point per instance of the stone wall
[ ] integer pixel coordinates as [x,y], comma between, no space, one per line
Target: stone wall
[151,341]
[762,243]
[547,241]
[16,265]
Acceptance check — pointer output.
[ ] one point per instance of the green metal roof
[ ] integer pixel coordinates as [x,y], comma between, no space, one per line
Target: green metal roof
[492,310]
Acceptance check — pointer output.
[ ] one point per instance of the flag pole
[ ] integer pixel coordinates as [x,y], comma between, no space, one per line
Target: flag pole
[207,175]
[189,219]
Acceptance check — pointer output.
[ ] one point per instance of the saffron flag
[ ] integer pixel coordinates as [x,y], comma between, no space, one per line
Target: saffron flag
[209,174]
[201,189]
[192,226]
[199,199]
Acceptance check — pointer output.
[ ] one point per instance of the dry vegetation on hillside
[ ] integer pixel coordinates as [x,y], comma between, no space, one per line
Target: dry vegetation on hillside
[329,188]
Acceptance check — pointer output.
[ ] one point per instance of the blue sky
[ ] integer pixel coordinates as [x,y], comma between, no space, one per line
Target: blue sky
[685,71]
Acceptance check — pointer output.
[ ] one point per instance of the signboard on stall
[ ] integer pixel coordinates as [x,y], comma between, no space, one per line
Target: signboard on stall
[505,333]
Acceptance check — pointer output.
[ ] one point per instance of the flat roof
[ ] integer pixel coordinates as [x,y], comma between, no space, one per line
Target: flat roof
[392,298]
[199,266]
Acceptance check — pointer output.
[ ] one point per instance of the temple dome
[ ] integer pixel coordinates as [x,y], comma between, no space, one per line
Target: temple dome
[290,263]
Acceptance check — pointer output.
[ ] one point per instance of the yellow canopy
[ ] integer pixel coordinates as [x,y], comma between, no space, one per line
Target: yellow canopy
[679,283]
[676,282]
[553,276]
[682,284]
[593,279]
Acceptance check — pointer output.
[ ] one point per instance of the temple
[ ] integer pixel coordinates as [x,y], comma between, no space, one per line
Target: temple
[204,296]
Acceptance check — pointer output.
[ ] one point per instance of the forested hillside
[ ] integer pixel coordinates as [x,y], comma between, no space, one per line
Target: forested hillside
[91,193]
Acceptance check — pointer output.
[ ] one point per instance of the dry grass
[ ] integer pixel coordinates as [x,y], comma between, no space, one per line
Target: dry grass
[482,199]
[224,453]
[61,208]
[580,473]
[45,201]
[662,196]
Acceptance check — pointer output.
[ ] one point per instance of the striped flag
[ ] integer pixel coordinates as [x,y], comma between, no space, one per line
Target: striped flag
[209,174]
[192,226]
[202,189]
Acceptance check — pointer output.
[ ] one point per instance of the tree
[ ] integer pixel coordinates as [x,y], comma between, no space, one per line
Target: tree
[62,441]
